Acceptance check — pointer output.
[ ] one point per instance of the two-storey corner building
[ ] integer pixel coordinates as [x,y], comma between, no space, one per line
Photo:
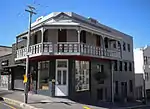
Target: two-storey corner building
[78,58]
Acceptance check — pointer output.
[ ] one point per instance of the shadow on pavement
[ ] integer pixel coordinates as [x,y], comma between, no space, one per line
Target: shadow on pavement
[3,93]
[69,104]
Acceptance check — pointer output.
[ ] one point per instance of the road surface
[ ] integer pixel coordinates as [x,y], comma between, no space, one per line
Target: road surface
[4,105]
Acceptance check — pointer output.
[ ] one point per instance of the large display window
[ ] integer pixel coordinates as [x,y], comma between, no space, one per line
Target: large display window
[82,75]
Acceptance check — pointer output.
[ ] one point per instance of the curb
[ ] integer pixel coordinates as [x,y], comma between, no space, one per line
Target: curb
[18,103]
[137,107]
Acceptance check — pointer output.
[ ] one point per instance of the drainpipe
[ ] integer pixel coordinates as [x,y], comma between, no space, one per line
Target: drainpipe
[112,81]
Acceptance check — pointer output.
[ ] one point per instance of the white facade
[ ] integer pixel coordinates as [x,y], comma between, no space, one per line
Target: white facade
[138,61]
[139,71]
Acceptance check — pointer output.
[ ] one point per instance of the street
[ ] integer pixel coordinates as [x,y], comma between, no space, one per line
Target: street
[4,105]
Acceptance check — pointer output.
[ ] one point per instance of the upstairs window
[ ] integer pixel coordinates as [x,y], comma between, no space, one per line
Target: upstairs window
[146,76]
[119,46]
[115,66]
[145,60]
[129,49]
[124,46]
[120,65]
[130,66]
[83,36]
[125,66]
[114,45]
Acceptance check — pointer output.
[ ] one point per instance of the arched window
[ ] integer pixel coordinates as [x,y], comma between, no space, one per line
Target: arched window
[45,36]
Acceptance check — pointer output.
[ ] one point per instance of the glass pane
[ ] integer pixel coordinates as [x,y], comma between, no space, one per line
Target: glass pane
[59,76]
[62,64]
[64,77]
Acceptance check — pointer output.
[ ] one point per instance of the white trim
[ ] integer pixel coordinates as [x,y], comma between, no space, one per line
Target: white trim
[99,32]
[63,68]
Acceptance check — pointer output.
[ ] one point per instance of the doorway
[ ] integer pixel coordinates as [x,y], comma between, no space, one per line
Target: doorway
[61,77]
[62,37]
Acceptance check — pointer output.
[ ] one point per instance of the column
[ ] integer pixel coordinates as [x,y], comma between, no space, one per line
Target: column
[103,46]
[42,37]
[112,81]
[79,40]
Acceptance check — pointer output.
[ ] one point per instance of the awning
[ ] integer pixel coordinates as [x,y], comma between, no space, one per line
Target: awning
[16,65]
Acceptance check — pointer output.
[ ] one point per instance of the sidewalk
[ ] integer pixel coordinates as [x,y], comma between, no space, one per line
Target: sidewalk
[45,102]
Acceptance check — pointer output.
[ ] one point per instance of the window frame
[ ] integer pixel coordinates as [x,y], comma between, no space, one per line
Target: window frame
[115,65]
[129,48]
[125,66]
[124,46]
[120,66]
[131,85]
[82,75]
[130,66]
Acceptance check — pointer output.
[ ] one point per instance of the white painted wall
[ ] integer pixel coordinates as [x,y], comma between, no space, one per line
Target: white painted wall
[138,61]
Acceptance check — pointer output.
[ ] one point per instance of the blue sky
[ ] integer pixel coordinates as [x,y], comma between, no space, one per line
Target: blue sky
[129,16]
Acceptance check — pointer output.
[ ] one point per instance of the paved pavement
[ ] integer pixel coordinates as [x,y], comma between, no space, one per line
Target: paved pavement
[4,105]
[45,102]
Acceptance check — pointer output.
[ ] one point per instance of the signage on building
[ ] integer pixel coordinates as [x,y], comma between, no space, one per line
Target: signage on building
[4,63]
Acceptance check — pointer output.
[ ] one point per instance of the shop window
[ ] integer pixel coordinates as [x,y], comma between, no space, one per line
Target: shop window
[43,75]
[82,75]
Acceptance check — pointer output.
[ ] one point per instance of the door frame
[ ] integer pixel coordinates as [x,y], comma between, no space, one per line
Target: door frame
[67,82]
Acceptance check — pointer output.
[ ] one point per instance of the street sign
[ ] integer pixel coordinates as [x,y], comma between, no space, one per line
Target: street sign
[25,79]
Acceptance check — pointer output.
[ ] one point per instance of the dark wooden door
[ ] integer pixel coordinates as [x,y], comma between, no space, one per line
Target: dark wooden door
[100,94]
[62,37]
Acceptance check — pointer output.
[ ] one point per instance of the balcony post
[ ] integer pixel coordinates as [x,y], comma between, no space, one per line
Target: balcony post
[79,40]
[103,46]
[42,37]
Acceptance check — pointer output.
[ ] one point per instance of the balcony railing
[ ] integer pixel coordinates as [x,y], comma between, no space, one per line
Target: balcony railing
[67,48]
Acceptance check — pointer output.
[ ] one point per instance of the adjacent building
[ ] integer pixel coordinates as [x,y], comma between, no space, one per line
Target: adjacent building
[142,71]
[5,55]
[76,57]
